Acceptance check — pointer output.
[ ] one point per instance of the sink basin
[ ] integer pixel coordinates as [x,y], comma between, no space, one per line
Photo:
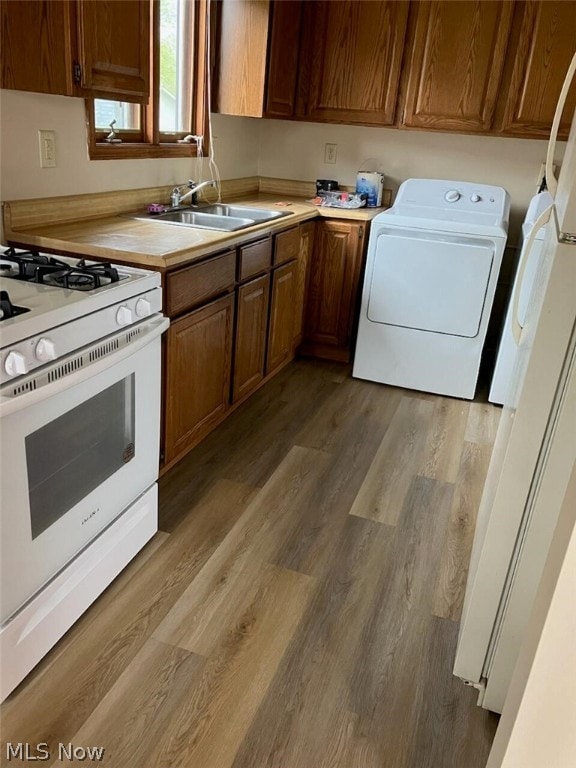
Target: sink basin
[202,220]
[257,215]
[221,217]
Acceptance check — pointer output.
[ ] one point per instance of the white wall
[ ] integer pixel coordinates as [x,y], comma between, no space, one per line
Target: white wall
[296,151]
[247,146]
[23,114]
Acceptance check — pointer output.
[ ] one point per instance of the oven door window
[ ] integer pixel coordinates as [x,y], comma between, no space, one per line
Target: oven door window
[74,454]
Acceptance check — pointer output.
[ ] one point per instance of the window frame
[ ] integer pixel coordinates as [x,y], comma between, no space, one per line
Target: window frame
[148,141]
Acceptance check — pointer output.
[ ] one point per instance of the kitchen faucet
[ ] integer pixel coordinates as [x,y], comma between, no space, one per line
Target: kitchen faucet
[177,198]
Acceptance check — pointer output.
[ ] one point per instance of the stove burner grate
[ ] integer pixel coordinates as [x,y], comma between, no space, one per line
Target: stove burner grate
[7,309]
[47,270]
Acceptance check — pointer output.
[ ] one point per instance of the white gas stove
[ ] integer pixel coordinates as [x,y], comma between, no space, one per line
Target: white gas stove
[80,368]
[76,301]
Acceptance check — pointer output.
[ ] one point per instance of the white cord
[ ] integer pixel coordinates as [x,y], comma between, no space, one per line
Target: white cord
[551,180]
[212,165]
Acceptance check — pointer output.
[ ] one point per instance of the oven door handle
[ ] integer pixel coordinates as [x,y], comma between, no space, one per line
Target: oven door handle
[155,326]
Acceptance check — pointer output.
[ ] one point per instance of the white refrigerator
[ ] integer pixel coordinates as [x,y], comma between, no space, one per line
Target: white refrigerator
[533,455]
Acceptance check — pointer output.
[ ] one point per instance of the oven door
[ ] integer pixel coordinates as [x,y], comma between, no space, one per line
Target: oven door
[80,442]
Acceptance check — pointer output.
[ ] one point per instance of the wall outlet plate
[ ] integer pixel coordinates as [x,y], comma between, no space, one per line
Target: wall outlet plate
[47,141]
[330,153]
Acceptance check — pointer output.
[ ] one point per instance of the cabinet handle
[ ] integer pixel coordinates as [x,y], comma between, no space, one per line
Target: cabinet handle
[77,73]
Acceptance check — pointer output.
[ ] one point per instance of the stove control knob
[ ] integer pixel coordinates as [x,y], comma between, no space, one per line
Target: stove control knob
[143,308]
[124,316]
[45,350]
[15,364]
[475,198]
[452,196]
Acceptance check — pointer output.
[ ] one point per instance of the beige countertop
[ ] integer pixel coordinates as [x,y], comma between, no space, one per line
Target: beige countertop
[157,244]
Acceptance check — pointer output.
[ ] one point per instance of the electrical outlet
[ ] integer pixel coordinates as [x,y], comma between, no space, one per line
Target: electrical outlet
[47,140]
[330,153]
[542,173]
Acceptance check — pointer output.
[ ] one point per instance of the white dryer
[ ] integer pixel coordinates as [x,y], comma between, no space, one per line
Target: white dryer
[431,272]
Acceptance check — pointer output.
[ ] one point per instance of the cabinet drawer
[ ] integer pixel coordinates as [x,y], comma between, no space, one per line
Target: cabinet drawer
[287,245]
[254,258]
[194,285]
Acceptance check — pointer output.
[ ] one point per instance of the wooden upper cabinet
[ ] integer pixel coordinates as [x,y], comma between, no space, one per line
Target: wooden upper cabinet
[544,41]
[351,60]
[257,57]
[283,52]
[36,46]
[114,48]
[457,59]
[77,48]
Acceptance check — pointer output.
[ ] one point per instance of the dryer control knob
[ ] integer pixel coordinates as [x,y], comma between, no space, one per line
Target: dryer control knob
[15,364]
[124,316]
[475,198]
[452,196]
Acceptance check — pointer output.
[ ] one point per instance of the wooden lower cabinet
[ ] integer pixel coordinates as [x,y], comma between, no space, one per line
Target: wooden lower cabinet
[333,289]
[198,366]
[250,344]
[281,329]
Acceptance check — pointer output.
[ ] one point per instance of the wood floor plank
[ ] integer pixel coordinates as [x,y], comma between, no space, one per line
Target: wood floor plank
[396,462]
[210,726]
[351,411]
[217,594]
[457,545]
[295,722]
[104,641]
[443,447]
[483,420]
[442,735]
[132,718]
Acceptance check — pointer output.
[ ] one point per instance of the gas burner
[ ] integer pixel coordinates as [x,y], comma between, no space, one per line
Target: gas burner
[35,267]
[79,277]
[27,264]
[7,309]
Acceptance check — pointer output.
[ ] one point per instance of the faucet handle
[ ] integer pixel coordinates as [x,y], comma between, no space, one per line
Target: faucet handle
[191,184]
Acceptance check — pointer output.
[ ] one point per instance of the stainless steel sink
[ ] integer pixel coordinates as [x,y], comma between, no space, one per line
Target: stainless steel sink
[202,220]
[256,214]
[221,217]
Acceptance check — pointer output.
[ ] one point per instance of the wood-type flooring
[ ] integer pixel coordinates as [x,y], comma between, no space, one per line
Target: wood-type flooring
[299,607]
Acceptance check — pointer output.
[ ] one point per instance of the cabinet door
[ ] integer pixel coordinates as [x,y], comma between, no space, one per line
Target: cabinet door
[198,366]
[333,289]
[283,49]
[281,331]
[306,243]
[351,60]
[114,48]
[36,47]
[242,29]
[458,55]
[544,42]
[251,326]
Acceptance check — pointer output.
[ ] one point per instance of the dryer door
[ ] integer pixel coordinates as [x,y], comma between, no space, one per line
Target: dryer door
[430,281]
